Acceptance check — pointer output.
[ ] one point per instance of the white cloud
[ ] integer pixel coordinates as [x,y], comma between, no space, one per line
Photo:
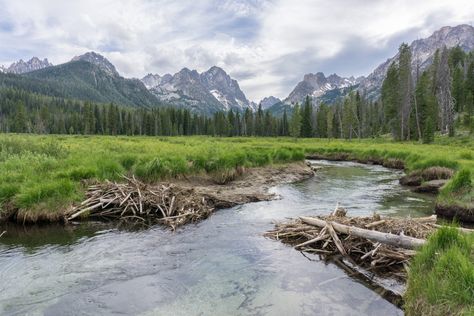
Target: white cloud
[268,45]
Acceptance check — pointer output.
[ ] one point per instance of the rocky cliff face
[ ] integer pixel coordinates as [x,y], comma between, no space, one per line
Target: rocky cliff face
[99,61]
[208,92]
[422,51]
[268,102]
[316,85]
[21,66]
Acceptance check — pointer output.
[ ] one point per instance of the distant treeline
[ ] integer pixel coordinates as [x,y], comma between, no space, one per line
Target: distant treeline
[26,112]
[413,106]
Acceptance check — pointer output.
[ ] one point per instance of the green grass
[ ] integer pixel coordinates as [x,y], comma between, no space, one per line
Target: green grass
[441,276]
[44,173]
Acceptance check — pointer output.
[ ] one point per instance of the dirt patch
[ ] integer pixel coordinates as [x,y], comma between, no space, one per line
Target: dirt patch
[251,186]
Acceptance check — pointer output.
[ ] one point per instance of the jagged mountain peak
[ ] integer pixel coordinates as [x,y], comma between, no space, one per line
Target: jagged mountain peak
[268,102]
[21,66]
[317,84]
[210,91]
[98,60]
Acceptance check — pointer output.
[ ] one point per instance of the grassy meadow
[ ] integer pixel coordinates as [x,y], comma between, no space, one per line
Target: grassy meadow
[42,175]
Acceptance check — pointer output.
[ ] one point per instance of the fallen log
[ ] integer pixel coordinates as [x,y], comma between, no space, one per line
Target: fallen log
[385,238]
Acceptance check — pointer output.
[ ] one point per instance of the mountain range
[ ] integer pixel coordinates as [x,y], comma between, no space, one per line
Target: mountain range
[92,77]
[211,91]
[21,67]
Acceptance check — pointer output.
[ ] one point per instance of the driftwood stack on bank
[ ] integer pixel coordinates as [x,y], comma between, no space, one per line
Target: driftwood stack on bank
[139,203]
[381,245]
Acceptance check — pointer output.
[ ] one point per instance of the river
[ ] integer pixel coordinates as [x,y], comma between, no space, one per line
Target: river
[220,266]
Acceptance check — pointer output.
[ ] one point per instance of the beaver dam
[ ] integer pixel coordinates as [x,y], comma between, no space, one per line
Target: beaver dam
[181,202]
[380,245]
[222,265]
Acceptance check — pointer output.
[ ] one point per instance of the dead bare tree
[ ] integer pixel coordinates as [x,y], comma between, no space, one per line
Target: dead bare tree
[443,94]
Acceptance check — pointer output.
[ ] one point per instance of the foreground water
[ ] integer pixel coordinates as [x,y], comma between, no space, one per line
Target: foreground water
[221,266]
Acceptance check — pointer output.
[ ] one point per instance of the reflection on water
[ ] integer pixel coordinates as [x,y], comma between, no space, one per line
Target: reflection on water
[221,266]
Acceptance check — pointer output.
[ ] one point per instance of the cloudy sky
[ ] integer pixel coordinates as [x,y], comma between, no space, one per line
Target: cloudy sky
[267,45]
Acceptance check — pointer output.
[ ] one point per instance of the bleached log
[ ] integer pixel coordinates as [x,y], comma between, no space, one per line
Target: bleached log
[90,208]
[373,224]
[385,238]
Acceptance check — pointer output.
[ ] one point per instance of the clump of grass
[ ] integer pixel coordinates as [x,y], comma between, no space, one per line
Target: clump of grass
[466,155]
[435,162]
[461,182]
[108,169]
[434,173]
[81,173]
[127,161]
[226,175]
[161,168]
[34,193]
[7,191]
[441,276]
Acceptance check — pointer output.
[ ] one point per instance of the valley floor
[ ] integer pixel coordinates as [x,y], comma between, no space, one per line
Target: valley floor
[43,176]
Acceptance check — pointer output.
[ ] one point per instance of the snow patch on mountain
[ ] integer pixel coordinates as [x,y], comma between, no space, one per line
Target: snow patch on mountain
[210,91]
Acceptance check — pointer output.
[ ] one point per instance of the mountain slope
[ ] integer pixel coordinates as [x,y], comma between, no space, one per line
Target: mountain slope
[85,79]
[211,91]
[422,51]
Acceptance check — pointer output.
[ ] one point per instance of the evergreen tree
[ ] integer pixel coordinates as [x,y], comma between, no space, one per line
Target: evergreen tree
[391,100]
[306,119]
[427,105]
[295,122]
[406,94]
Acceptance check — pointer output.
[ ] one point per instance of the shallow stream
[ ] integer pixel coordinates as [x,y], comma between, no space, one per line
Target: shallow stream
[220,266]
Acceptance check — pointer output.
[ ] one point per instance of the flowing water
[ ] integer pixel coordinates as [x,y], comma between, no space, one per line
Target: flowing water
[220,266]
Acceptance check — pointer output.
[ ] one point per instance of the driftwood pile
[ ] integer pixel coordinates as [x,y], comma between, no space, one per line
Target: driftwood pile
[138,203]
[380,245]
